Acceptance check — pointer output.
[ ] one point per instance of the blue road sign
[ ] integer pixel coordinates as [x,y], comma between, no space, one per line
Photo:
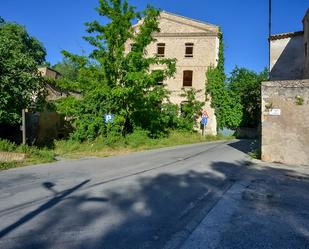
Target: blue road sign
[108,118]
[204,121]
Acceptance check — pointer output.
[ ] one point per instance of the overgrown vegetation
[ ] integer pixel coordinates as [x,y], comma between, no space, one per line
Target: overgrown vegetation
[33,155]
[113,81]
[246,84]
[237,99]
[190,110]
[21,86]
[136,141]
[226,104]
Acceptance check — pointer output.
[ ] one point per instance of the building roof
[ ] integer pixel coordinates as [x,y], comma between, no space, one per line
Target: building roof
[186,21]
[285,35]
[188,18]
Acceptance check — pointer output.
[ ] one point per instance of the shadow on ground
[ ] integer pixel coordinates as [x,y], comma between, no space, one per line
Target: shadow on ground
[244,145]
[148,214]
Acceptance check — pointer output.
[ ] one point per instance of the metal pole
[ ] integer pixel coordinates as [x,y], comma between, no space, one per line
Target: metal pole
[24,125]
[269,32]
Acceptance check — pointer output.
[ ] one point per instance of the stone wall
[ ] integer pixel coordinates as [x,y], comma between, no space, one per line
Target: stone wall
[285,122]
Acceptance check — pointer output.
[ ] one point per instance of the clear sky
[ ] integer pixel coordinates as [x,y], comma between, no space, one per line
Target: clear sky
[59,24]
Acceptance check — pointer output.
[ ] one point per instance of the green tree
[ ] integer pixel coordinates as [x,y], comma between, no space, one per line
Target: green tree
[113,81]
[20,83]
[247,85]
[69,71]
[190,109]
[228,109]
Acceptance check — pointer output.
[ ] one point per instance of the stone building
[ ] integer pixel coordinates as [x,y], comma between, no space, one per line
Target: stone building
[289,54]
[195,46]
[49,72]
[285,99]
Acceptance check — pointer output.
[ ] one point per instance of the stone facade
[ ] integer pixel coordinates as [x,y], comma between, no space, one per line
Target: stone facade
[289,54]
[285,122]
[285,99]
[177,32]
[48,72]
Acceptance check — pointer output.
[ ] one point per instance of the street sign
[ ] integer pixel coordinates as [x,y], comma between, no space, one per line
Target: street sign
[108,118]
[204,120]
[275,112]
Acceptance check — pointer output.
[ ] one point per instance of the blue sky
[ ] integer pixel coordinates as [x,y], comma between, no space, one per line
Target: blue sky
[59,24]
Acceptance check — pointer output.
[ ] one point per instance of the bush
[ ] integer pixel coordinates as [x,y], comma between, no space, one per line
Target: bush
[6,145]
[138,138]
[34,154]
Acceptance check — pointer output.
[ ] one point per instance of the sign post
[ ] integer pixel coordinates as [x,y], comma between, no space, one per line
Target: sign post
[108,118]
[23,128]
[204,122]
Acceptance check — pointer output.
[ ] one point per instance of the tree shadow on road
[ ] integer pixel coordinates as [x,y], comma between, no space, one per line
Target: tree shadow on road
[43,208]
[163,207]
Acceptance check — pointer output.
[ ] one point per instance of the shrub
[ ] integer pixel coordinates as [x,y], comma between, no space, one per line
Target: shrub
[138,138]
[6,145]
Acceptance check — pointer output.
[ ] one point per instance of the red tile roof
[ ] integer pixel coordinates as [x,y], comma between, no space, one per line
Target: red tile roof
[285,35]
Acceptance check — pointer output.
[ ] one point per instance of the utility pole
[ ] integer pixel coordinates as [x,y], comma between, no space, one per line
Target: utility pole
[23,128]
[269,32]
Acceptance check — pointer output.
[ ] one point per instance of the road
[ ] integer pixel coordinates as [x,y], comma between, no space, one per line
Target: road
[191,196]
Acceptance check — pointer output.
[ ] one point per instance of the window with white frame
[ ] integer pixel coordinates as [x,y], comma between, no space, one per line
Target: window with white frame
[189,49]
[161,49]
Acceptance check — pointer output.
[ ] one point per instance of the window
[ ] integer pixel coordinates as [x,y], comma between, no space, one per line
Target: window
[187,77]
[161,49]
[189,50]
[306,49]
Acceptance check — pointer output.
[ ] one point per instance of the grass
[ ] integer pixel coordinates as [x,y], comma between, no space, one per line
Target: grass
[34,155]
[101,147]
[134,142]
[255,150]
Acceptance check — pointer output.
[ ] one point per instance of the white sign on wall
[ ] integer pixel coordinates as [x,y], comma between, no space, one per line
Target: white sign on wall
[275,112]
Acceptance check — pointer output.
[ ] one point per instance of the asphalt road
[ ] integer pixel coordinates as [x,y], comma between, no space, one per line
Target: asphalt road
[194,196]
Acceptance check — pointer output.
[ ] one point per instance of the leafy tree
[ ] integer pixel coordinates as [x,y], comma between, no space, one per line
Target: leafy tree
[189,109]
[20,83]
[247,85]
[69,71]
[113,81]
[226,103]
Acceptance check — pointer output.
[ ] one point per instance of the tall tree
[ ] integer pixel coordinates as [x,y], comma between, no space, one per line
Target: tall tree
[20,82]
[226,103]
[69,71]
[247,85]
[118,82]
